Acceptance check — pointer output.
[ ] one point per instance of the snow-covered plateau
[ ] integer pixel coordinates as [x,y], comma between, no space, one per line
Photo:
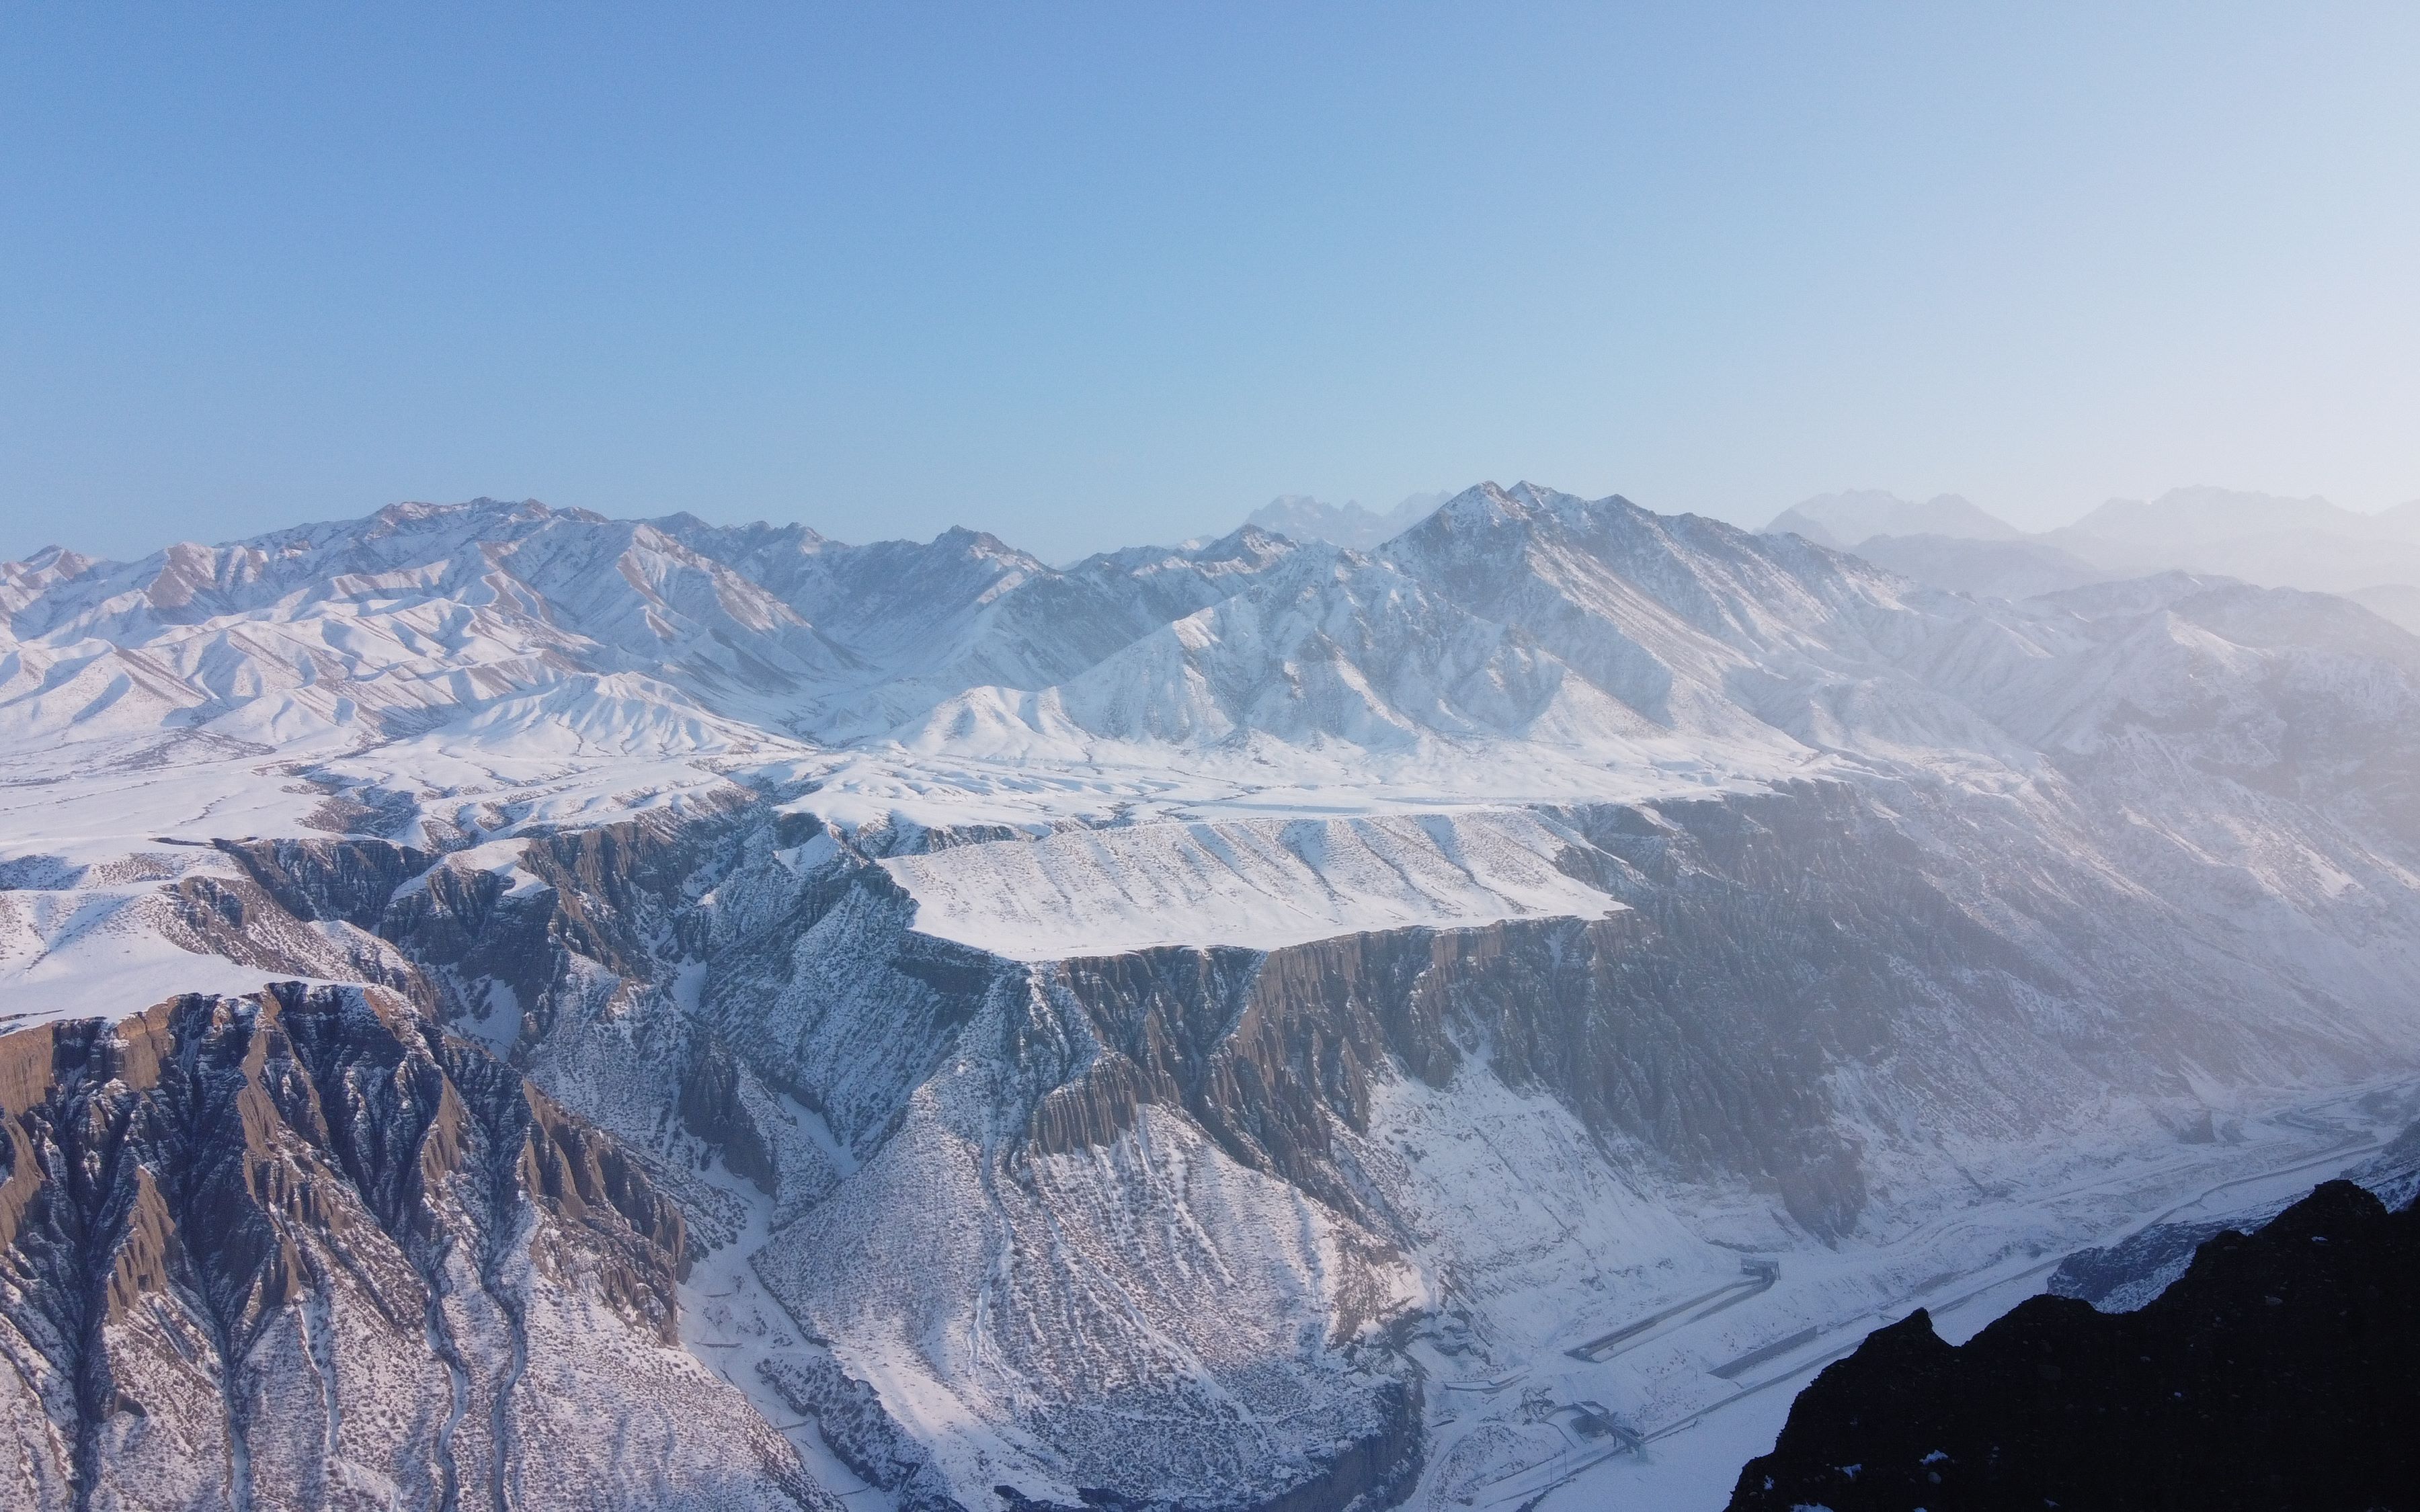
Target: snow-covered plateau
[503,1007]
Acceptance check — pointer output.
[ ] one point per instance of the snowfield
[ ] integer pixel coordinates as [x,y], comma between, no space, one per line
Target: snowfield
[1254,882]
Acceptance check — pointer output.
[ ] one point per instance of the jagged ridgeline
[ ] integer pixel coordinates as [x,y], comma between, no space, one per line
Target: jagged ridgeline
[507,1007]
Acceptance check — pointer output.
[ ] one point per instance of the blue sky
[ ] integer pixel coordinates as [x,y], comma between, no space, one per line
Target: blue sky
[1086,275]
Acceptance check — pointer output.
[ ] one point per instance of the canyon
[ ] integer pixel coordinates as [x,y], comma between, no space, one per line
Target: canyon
[503,1007]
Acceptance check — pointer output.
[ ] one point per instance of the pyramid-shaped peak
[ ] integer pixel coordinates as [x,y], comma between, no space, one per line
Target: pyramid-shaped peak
[984,545]
[1491,504]
[57,562]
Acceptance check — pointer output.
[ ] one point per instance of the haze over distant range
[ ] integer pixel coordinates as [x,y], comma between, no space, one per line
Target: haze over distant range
[2258,538]
[1948,542]
[1046,272]
[1350,523]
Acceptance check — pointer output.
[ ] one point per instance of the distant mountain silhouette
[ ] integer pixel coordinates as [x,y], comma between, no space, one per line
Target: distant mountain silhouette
[1301,518]
[2267,539]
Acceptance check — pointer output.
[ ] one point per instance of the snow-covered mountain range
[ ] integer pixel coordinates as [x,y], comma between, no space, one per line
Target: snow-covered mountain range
[500,1003]
[2260,538]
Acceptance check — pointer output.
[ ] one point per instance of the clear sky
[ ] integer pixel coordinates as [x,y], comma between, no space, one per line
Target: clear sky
[1086,275]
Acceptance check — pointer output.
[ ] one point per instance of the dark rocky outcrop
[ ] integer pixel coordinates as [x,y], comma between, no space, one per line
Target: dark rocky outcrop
[2125,1276]
[712,1108]
[2281,1371]
[350,880]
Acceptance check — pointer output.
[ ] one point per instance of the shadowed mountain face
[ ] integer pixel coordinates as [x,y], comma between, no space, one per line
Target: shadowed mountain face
[2281,1371]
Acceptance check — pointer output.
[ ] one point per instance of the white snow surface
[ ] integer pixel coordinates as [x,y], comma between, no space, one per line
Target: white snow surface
[63,951]
[1257,882]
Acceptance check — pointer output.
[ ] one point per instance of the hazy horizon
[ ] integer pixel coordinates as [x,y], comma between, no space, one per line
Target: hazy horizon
[1094,276]
[1752,518]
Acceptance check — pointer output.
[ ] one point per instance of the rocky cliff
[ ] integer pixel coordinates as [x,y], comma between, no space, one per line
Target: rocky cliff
[302,1250]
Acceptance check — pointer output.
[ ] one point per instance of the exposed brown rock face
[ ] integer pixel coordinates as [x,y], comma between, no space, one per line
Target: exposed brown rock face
[1271,1051]
[345,880]
[246,922]
[298,1249]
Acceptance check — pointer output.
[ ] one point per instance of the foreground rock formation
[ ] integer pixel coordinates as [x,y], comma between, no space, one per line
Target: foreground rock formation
[2282,1370]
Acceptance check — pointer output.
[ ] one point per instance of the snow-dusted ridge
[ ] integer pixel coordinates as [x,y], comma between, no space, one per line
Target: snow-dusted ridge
[1284,995]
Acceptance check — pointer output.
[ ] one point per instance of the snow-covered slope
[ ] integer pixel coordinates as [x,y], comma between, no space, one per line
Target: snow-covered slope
[1198,1025]
[926,622]
[1247,882]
